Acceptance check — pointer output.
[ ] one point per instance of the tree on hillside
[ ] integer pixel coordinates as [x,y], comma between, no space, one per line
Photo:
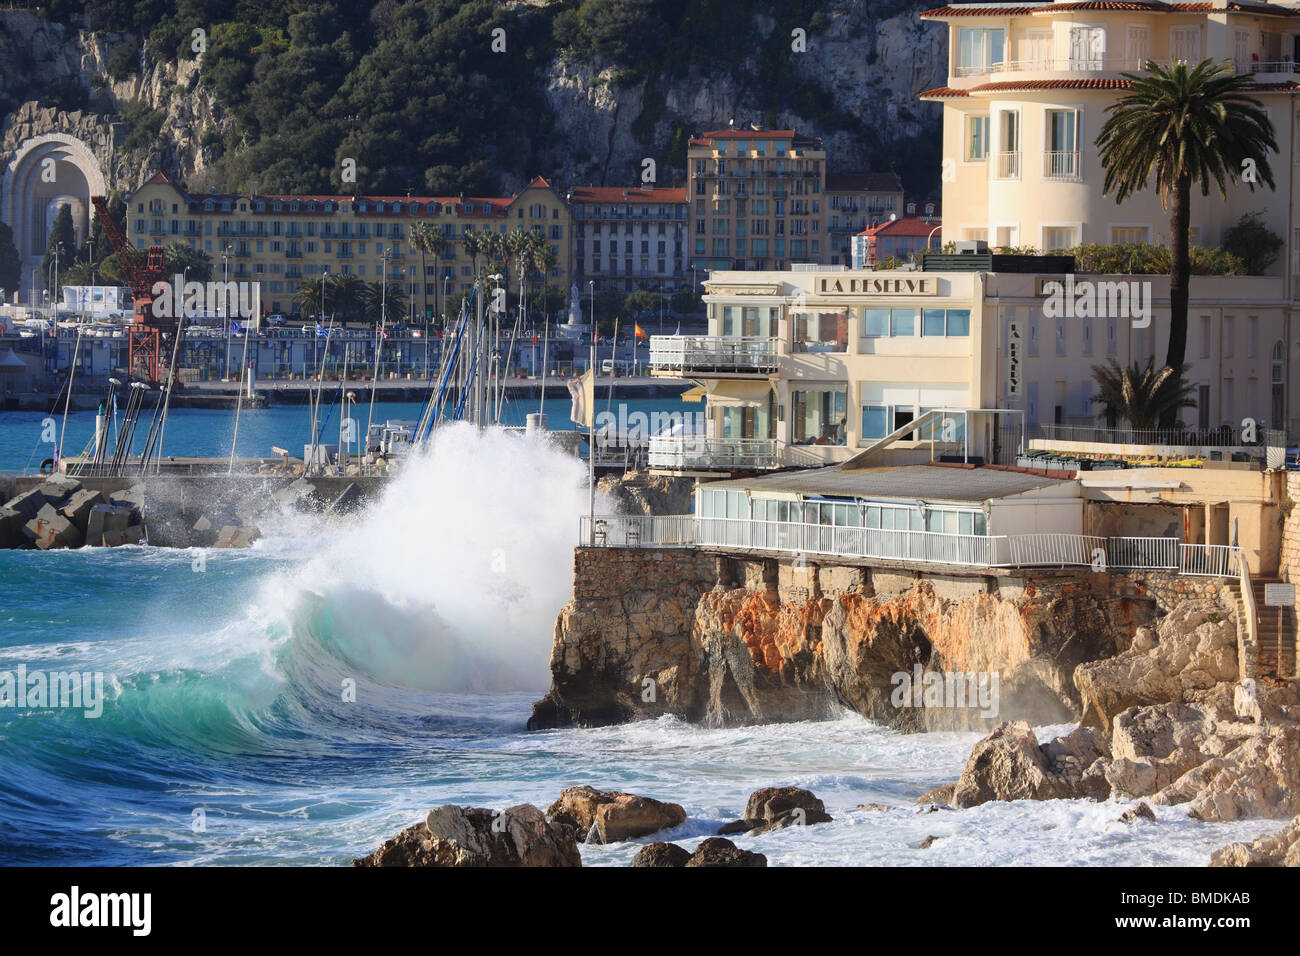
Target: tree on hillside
[1179,126]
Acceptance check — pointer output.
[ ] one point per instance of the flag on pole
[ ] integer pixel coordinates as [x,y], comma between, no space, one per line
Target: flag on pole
[583,392]
[638,331]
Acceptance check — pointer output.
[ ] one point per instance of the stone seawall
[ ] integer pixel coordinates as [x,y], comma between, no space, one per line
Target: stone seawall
[725,640]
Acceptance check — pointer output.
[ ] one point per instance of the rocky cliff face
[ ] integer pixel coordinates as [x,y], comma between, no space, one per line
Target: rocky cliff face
[711,640]
[57,81]
[868,68]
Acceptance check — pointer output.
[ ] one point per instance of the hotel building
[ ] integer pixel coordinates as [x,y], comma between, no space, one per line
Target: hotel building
[285,241]
[625,239]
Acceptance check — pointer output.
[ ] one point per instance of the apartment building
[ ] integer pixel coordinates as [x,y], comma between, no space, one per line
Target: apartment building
[284,241]
[757,199]
[629,238]
[1026,97]
[856,201]
[895,239]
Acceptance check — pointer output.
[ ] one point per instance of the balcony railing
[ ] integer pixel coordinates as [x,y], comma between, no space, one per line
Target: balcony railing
[1008,165]
[1061,164]
[748,354]
[696,453]
[925,547]
[1048,64]
[1221,437]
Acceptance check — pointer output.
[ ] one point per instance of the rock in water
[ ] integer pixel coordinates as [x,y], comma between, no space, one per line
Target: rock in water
[1280,849]
[1140,812]
[612,816]
[775,808]
[1193,648]
[716,851]
[474,836]
[660,854]
[1008,764]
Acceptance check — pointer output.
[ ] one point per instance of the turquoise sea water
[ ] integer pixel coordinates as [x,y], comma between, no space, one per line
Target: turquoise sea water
[301,701]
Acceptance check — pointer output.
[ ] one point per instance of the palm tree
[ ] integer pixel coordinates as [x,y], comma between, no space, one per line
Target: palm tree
[1180,126]
[308,298]
[475,246]
[384,305]
[427,238]
[1143,397]
[346,292]
[438,244]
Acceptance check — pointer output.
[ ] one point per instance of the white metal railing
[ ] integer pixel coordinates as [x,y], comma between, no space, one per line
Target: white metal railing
[925,547]
[1008,165]
[1212,560]
[804,537]
[1271,66]
[1042,550]
[1061,164]
[715,353]
[694,452]
[1248,636]
[637,531]
[1146,553]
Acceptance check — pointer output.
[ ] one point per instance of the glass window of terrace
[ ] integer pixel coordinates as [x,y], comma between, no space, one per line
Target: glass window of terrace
[820,417]
[821,331]
[756,421]
[759,321]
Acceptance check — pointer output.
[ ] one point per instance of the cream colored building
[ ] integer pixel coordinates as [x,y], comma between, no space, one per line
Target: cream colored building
[814,367]
[1026,97]
[284,241]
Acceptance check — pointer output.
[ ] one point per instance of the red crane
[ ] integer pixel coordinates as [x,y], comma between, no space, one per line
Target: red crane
[145,334]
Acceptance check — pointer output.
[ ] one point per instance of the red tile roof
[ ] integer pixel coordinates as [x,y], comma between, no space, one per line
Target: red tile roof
[627,194]
[863,182]
[907,226]
[943,93]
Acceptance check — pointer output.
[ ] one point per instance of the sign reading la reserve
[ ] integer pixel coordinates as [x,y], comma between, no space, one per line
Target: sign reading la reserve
[877,285]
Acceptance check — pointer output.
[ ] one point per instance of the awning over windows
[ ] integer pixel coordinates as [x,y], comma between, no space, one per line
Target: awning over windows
[737,393]
[695,394]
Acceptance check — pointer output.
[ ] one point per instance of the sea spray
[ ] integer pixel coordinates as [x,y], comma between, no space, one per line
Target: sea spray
[452,580]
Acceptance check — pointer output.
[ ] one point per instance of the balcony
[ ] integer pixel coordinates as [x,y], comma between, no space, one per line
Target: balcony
[714,354]
[1061,165]
[1008,165]
[696,453]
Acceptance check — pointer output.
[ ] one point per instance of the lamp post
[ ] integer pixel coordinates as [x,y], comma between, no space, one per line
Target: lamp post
[225,310]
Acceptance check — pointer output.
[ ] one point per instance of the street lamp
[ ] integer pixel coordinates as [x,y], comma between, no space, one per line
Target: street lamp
[225,312]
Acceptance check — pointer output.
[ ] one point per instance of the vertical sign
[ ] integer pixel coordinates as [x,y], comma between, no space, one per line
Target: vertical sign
[1013,358]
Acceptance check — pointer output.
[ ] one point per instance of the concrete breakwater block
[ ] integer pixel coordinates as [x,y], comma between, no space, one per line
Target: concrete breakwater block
[77,509]
[11,528]
[299,493]
[105,519]
[233,537]
[49,530]
[57,488]
[27,504]
[133,499]
[130,535]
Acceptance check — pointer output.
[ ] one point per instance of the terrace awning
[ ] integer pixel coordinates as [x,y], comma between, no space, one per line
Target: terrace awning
[735,393]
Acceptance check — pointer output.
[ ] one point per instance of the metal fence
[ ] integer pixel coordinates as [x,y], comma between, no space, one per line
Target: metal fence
[925,547]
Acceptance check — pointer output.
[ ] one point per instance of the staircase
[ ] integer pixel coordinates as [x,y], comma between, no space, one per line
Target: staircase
[1275,652]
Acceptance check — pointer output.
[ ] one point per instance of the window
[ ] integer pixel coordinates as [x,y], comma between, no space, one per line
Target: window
[958,322]
[1185,43]
[1056,238]
[820,416]
[1139,47]
[1060,146]
[977,138]
[875,322]
[1126,234]
[821,332]
[1087,48]
[932,322]
[1008,144]
[979,49]
[902,321]
[875,421]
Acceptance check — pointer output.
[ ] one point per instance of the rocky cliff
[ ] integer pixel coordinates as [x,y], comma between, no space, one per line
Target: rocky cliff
[730,642]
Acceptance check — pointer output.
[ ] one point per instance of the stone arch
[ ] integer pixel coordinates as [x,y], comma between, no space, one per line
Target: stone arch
[29,196]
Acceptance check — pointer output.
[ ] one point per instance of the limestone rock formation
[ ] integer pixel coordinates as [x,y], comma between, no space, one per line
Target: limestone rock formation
[641,493]
[725,643]
[1278,849]
[1193,648]
[604,816]
[453,836]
